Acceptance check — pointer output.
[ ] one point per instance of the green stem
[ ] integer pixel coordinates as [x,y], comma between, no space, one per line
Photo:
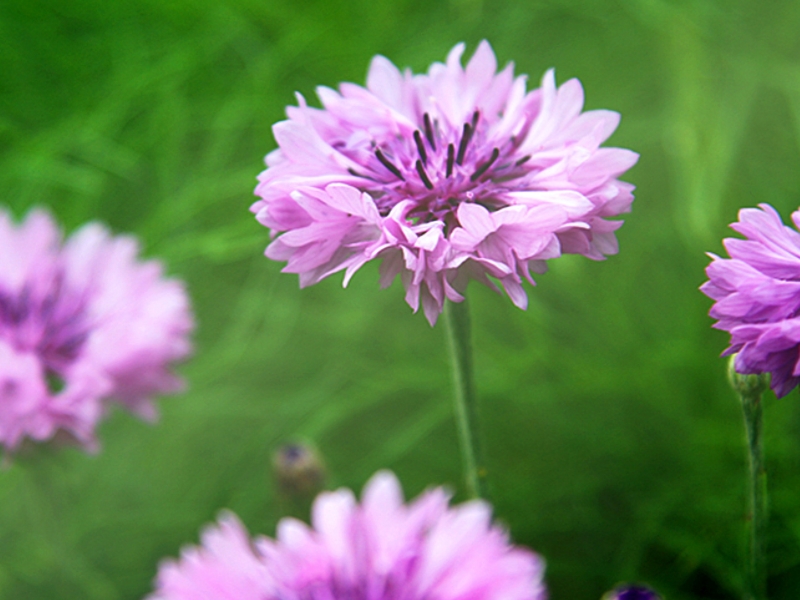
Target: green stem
[749,388]
[757,493]
[458,329]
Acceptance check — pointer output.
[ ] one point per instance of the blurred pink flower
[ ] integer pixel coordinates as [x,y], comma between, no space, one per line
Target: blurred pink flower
[81,323]
[757,294]
[381,549]
[457,174]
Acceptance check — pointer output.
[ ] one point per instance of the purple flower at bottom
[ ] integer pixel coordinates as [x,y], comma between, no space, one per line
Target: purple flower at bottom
[457,174]
[631,592]
[82,323]
[757,294]
[381,549]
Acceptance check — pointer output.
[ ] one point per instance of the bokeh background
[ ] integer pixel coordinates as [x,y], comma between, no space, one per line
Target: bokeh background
[614,444]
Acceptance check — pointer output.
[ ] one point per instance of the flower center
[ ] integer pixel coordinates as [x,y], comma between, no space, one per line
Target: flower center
[51,324]
[438,168]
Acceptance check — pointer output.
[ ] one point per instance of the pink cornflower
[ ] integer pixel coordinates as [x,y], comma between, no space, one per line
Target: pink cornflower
[381,549]
[757,294]
[82,324]
[456,174]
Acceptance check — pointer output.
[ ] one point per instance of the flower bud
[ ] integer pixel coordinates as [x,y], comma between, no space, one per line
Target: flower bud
[747,385]
[298,470]
[631,592]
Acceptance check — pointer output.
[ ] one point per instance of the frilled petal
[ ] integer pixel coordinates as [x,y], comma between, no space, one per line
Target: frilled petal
[380,549]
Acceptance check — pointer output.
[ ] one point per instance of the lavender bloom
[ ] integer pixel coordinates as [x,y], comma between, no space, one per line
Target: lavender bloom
[381,549]
[456,174]
[757,294]
[81,323]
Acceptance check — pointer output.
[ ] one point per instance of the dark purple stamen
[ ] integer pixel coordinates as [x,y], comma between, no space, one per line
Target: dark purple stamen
[70,347]
[451,151]
[51,299]
[357,174]
[420,147]
[475,116]
[462,147]
[424,176]
[522,160]
[483,168]
[15,310]
[5,307]
[387,163]
[426,121]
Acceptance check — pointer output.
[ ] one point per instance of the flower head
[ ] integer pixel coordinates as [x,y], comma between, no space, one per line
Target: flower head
[757,294]
[456,174]
[381,549]
[82,323]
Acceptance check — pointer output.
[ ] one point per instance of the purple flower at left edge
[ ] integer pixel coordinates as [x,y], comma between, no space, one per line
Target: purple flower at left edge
[83,323]
[757,296]
[379,549]
[456,174]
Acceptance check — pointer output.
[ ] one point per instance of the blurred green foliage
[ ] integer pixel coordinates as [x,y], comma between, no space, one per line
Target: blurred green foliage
[614,444]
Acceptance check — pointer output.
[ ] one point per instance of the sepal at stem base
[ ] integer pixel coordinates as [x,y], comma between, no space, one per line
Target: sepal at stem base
[748,385]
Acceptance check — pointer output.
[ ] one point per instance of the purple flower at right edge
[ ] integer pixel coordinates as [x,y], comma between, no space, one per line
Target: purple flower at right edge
[757,294]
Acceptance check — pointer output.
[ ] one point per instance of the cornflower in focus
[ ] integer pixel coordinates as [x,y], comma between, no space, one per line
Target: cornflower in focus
[83,323]
[757,296]
[453,175]
[381,549]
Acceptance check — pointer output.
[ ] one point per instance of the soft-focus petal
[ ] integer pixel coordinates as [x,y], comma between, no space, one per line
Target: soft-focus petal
[89,322]
[223,568]
[382,549]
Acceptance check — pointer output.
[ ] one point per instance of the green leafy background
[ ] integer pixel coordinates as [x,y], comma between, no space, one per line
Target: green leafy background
[614,444]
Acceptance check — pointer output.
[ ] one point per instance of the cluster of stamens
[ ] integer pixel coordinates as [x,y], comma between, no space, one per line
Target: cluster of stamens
[438,174]
[53,326]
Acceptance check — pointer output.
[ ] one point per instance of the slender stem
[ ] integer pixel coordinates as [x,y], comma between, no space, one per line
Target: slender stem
[749,388]
[458,329]
[757,493]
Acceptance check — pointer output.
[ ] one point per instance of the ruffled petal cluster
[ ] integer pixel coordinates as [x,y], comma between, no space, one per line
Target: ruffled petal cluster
[456,174]
[757,296]
[83,323]
[381,549]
